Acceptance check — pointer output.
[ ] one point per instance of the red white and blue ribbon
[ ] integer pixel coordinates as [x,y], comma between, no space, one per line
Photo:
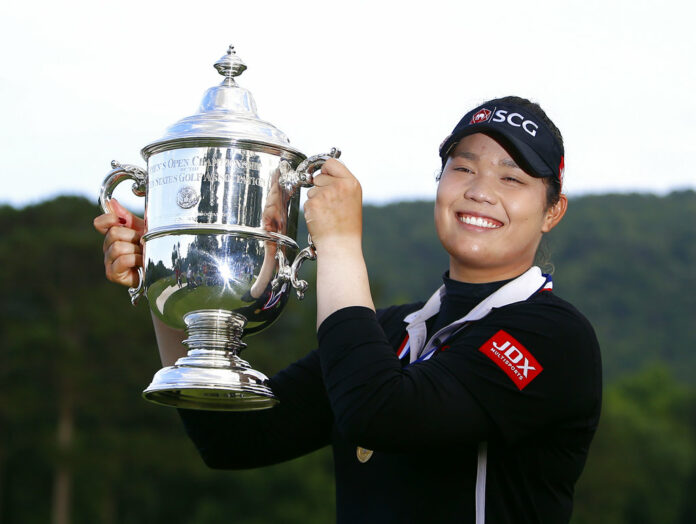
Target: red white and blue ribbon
[274,298]
[404,349]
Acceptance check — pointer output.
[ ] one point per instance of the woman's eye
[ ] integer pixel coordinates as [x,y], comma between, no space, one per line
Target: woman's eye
[512,179]
[463,169]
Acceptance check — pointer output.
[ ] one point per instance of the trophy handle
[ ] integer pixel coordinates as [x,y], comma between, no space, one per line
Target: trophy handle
[291,180]
[118,174]
[303,176]
[287,273]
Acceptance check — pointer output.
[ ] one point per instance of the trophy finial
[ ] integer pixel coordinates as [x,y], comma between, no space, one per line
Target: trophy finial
[230,65]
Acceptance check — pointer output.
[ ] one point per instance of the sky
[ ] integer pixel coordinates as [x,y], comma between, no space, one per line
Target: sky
[85,82]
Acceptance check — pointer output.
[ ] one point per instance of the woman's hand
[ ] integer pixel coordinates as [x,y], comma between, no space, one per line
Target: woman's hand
[333,209]
[333,212]
[123,253]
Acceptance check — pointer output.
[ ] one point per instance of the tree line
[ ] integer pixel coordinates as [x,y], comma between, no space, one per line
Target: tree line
[78,444]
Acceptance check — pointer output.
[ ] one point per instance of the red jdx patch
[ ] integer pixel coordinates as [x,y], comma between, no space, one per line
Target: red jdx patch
[481,116]
[512,357]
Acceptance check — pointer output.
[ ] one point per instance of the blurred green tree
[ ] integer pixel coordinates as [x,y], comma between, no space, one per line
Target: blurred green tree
[76,439]
[643,453]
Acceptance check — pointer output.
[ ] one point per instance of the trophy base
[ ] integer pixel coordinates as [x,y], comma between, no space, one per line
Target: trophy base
[212,376]
[191,385]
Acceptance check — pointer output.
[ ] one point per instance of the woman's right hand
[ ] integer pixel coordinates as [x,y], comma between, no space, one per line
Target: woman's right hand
[123,252]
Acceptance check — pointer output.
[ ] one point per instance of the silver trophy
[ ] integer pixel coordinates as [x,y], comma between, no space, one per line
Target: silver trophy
[222,190]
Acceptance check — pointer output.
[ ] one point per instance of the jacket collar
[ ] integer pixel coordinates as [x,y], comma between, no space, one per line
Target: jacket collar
[517,290]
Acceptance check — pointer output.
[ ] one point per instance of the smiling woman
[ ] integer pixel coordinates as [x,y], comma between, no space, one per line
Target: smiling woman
[477,405]
[490,214]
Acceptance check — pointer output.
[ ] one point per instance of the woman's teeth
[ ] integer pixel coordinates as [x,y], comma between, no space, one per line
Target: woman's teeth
[477,221]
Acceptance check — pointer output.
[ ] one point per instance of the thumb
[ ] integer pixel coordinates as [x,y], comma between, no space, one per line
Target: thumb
[335,168]
[131,221]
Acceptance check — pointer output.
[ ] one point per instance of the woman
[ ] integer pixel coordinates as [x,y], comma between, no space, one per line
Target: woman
[476,406]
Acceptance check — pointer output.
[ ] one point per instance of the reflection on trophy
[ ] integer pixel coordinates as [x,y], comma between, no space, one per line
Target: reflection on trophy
[222,191]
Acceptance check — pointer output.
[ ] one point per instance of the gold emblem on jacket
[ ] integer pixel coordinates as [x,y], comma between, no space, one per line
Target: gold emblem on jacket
[363,454]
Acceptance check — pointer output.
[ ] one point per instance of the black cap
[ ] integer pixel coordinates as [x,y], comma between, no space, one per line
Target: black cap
[523,133]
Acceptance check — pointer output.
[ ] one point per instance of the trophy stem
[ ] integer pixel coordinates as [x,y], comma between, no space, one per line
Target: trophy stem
[214,329]
[212,376]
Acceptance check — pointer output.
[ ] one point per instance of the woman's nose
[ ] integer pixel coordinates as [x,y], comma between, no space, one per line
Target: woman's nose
[480,189]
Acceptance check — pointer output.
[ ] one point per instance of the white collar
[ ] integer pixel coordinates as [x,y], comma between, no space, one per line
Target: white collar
[517,290]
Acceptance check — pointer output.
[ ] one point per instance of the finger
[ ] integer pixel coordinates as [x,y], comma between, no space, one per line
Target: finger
[307,211]
[104,222]
[334,168]
[124,270]
[119,249]
[321,180]
[131,220]
[313,191]
[122,234]
[126,263]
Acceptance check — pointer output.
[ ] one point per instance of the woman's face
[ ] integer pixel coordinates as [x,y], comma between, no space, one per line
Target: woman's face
[489,214]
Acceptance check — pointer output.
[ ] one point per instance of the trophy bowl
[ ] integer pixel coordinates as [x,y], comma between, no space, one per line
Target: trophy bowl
[222,191]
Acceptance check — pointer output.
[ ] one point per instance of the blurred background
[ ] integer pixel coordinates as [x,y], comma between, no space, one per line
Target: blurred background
[82,84]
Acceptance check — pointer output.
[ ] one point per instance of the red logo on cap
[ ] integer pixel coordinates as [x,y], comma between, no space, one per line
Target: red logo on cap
[481,116]
[513,358]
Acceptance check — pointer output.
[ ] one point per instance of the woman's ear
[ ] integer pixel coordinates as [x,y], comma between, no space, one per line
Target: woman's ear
[554,214]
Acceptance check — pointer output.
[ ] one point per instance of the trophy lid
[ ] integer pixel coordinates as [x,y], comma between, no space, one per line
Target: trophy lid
[227,112]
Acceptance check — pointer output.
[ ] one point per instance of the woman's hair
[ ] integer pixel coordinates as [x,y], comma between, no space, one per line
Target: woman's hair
[553,184]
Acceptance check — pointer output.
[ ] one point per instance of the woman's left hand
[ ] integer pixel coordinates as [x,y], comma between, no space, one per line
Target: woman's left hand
[333,209]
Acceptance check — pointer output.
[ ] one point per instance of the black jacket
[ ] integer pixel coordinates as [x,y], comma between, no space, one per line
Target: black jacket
[426,422]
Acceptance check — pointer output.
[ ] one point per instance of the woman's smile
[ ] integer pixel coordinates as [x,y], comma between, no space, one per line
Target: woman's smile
[478,221]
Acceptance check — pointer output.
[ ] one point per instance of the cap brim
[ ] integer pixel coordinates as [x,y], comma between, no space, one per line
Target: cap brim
[528,159]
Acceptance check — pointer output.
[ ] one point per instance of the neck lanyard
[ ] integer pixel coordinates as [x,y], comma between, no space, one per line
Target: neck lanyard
[517,290]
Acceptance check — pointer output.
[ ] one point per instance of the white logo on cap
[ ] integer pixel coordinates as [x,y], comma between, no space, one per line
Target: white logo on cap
[515,120]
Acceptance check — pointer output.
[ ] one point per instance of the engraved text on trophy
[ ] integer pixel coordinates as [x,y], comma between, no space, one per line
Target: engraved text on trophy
[213,185]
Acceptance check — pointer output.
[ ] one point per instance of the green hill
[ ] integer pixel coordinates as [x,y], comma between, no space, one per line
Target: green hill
[75,356]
